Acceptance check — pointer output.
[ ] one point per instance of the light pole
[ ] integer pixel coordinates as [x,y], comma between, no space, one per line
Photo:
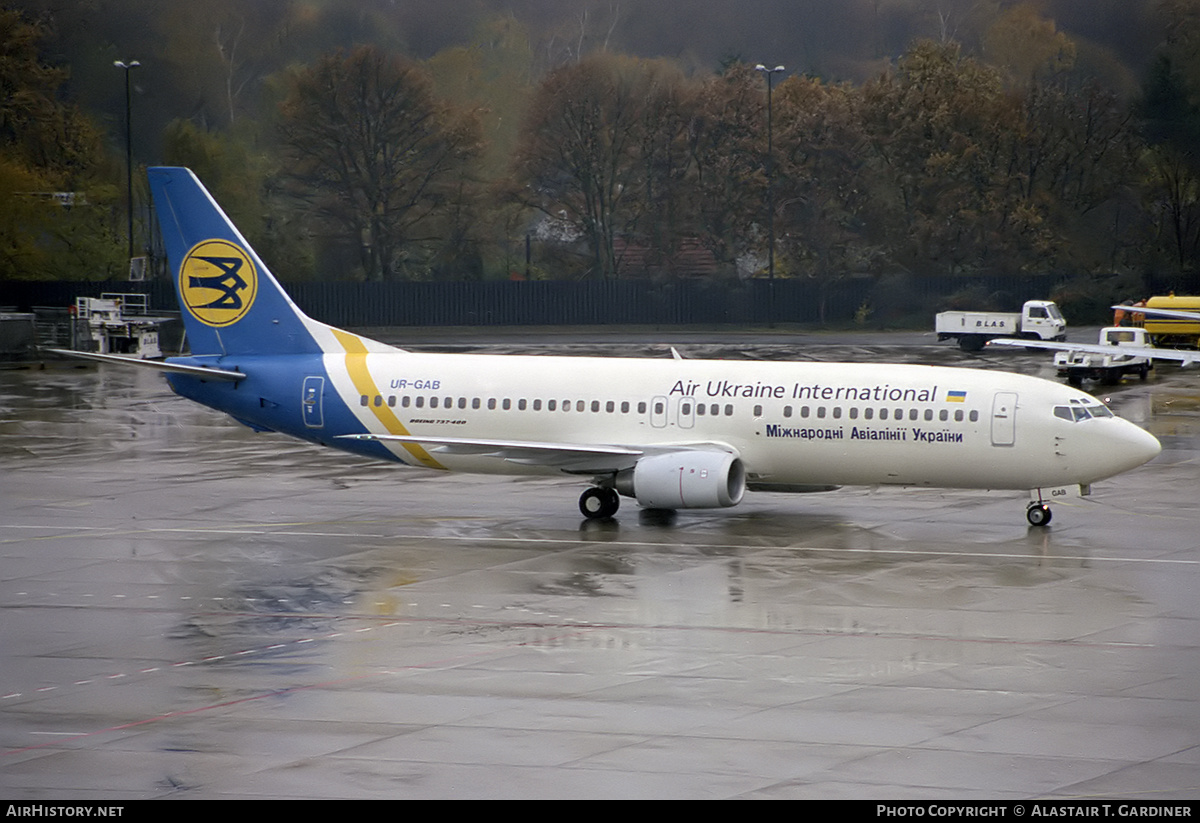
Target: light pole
[770,197]
[128,67]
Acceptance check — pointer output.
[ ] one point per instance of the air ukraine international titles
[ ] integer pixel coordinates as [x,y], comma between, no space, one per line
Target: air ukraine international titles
[815,391]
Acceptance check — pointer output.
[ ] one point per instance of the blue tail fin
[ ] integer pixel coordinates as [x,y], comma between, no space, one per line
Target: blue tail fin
[230,301]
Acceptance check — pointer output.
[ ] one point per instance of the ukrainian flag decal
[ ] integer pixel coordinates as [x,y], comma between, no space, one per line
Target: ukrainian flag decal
[956,397]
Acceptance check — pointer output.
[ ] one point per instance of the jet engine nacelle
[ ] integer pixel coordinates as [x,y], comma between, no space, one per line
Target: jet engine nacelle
[685,480]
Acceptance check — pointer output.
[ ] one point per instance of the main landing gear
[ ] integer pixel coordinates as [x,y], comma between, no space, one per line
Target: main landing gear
[1038,513]
[598,504]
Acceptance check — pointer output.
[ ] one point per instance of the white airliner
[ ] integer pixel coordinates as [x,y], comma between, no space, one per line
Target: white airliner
[670,433]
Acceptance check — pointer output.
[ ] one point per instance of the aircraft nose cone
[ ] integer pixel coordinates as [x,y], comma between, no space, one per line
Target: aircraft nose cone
[1137,446]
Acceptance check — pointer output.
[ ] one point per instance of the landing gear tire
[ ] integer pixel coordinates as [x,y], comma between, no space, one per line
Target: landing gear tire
[598,504]
[1038,514]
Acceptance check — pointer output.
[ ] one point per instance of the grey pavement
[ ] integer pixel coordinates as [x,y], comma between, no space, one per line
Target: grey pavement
[192,610]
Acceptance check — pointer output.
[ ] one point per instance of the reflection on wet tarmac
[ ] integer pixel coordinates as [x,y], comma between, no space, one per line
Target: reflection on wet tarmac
[194,610]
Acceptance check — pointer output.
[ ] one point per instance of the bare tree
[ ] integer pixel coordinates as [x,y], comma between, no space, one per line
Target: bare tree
[600,145]
[373,153]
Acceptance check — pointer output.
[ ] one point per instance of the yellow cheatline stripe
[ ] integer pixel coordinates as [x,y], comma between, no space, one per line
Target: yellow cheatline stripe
[356,367]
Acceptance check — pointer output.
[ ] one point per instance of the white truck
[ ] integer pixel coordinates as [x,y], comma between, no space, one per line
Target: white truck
[1078,365]
[1037,320]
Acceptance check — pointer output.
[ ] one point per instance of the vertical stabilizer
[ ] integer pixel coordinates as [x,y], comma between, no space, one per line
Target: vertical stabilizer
[230,301]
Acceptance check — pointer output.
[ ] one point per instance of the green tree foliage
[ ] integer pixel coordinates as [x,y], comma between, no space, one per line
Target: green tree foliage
[987,148]
[492,77]
[221,51]
[226,167]
[55,215]
[1171,114]
[727,140]
[241,182]
[36,127]
[603,147]
[22,216]
[1026,45]
[375,157]
[941,128]
[821,191]
[1075,155]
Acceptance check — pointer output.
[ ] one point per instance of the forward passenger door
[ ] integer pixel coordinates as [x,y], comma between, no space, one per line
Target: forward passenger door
[1004,419]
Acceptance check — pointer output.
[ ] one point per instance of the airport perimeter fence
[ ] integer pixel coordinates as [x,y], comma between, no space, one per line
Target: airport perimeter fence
[614,302]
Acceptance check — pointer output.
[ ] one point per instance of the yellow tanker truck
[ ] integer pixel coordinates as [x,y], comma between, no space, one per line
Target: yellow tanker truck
[1170,322]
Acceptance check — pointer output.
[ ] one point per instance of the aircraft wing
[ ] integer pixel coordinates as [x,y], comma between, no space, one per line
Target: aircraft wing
[1185,358]
[1178,314]
[205,372]
[569,457]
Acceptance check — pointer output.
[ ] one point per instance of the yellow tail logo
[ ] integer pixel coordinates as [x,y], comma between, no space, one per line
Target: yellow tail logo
[217,282]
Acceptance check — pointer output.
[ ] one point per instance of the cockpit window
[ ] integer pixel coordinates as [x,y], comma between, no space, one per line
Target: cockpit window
[1081,410]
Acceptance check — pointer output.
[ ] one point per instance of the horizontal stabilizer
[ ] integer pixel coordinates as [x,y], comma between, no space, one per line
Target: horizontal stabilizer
[204,372]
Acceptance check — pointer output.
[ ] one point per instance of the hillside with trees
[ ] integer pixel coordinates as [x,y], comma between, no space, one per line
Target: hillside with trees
[369,140]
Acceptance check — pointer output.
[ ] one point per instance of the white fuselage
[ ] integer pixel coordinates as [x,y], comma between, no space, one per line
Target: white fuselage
[790,423]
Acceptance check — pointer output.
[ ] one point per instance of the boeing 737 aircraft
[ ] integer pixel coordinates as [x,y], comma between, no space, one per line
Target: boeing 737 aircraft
[670,433]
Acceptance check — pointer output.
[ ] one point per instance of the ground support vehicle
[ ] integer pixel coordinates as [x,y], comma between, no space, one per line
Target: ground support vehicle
[1037,320]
